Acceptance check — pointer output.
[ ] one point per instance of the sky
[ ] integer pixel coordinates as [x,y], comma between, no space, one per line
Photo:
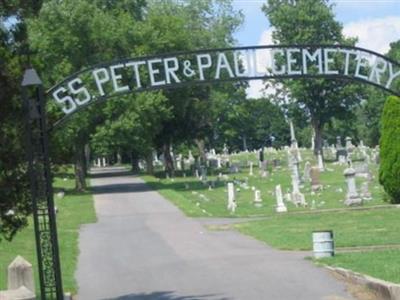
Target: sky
[376,23]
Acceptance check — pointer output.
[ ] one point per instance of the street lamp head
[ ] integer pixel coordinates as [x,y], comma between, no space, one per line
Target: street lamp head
[31,78]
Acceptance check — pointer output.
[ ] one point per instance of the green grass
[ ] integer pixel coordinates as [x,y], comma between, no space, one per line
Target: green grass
[75,209]
[194,198]
[379,264]
[351,228]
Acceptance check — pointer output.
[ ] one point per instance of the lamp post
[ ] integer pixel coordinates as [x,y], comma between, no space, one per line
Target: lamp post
[41,187]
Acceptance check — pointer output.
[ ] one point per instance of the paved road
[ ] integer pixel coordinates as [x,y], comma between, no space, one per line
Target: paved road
[143,247]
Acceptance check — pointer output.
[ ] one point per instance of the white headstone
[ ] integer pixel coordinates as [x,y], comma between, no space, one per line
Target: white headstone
[104,162]
[280,206]
[20,274]
[251,169]
[257,198]
[352,197]
[320,162]
[231,197]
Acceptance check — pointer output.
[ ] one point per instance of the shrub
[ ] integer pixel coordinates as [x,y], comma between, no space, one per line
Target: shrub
[389,172]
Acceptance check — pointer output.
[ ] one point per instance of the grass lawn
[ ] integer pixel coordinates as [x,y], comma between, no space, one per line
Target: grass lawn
[74,209]
[351,228]
[380,264]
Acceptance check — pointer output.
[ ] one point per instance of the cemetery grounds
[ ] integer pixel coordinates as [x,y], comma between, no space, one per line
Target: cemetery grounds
[367,239]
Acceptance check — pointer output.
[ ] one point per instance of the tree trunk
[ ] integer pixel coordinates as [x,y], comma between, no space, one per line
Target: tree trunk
[149,163]
[135,163]
[169,164]
[80,167]
[200,146]
[244,139]
[318,137]
[87,158]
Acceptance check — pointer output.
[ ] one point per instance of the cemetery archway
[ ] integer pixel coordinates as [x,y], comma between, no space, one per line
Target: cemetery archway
[107,80]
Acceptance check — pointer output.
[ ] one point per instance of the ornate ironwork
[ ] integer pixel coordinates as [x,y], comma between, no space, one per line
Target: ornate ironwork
[41,188]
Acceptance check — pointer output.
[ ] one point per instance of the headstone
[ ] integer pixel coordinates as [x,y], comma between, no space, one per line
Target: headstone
[20,274]
[315,182]
[320,162]
[98,163]
[196,173]
[297,196]
[225,150]
[352,197]
[251,169]
[349,145]
[257,198]
[219,165]
[280,206]
[307,169]
[339,143]
[231,197]
[104,162]
[365,194]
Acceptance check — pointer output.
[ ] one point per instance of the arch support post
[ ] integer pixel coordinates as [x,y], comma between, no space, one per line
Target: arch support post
[37,148]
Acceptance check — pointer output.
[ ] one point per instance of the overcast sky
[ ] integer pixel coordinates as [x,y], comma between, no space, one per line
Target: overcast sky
[376,23]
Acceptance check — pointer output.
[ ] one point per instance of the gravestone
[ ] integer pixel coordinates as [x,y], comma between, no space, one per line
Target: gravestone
[320,162]
[257,198]
[365,193]
[251,169]
[315,181]
[307,169]
[352,197]
[280,206]
[231,197]
[20,274]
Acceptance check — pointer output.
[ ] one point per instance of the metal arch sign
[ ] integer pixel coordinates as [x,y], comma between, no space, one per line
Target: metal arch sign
[120,77]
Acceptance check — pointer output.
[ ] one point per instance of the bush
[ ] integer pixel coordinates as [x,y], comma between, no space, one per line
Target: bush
[389,172]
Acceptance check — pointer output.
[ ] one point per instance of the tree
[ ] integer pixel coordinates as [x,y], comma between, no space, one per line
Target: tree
[70,35]
[15,204]
[389,171]
[313,22]
[131,126]
[188,25]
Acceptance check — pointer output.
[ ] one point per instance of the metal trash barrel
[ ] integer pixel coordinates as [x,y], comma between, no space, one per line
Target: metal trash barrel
[323,245]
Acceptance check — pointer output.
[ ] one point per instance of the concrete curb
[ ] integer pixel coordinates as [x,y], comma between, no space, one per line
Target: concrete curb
[385,290]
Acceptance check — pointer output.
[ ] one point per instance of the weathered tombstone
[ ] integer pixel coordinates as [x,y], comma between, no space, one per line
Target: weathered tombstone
[280,206]
[219,164]
[365,193]
[231,197]
[251,169]
[349,145]
[20,274]
[320,162]
[297,196]
[352,197]
[315,182]
[104,164]
[257,198]
[307,169]
[196,173]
